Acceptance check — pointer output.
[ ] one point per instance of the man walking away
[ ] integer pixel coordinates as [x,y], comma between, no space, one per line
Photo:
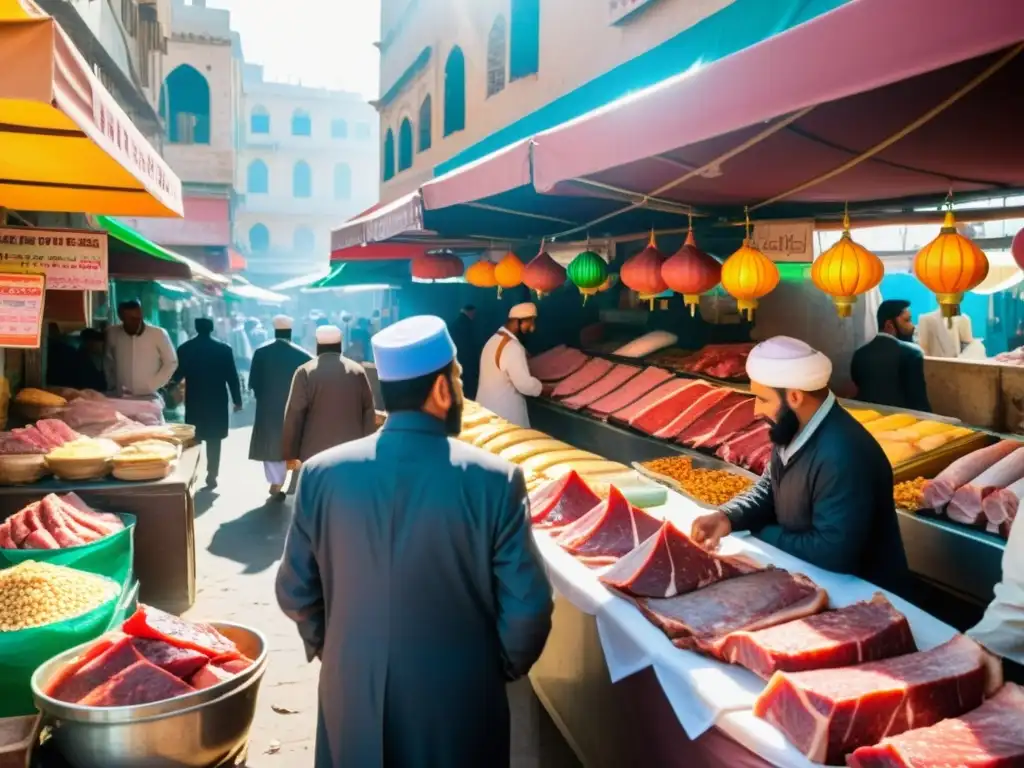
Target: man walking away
[273,367]
[412,575]
[330,401]
[463,331]
[889,369]
[140,358]
[207,367]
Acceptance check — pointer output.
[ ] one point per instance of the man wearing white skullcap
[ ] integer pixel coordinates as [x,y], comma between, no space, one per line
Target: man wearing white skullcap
[505,378]
[826,496]
[330,401]
[410,569]
[270,379]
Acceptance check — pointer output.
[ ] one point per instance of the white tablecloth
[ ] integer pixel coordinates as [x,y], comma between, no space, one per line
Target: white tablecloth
[702,691]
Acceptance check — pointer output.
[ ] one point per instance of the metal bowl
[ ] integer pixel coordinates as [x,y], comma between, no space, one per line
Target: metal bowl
[193,731]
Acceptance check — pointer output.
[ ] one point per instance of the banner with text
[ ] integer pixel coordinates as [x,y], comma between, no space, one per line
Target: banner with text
[21,310]
[71,259]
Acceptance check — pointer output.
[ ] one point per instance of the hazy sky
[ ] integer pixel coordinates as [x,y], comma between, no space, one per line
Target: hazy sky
[327,43]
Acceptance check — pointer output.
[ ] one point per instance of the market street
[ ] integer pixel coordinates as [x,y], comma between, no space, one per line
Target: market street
[239,537]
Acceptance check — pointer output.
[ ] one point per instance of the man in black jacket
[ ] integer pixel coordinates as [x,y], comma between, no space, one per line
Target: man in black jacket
[826,496]
[464,333]
[889,369]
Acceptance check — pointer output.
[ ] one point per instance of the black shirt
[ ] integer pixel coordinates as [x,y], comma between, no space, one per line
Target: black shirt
[890,372]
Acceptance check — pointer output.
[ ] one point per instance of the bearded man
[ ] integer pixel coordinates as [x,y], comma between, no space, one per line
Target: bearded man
[505,378]
[889,369]
[826,496]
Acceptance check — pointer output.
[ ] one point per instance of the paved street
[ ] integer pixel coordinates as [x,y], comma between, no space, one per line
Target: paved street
[239,537]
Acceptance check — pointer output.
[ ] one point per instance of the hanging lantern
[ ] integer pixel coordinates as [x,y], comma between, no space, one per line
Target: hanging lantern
[588,272]
[950,265]
[543,274]
[1017,248]
[748,275]
[691,272]
[481,274]
[608,283]
[436,266]
[508,273]
[642,272]
[846,270]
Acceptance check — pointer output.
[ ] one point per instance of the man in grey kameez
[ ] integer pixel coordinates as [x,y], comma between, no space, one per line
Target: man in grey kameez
[412,574]
[270,379]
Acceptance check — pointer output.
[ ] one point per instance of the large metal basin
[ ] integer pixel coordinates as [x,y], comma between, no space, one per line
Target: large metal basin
[193,731]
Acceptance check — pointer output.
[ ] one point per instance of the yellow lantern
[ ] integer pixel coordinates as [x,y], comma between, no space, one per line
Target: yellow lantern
[748,275]
[846,270]
[508,273]
[950,265]
[481,274]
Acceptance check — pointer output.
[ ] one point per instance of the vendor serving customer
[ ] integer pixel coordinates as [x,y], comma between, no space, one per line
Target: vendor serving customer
[826,496]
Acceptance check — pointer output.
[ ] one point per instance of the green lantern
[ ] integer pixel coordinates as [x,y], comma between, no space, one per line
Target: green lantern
[588,272]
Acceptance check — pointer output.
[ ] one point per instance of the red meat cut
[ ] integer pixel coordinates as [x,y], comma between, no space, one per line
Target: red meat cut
[594,369]
[862,632]
[180,662]
[729,417]
[557,363]
[95,671]
[209,676]
[562,501]
[629,393]
[670,564]
[641,404]
[750,448]
[103,523]
[58,524]
[966,505]
[6,542]
[828,713]
[153,624]
[991,736]
[40,539]
[693,413]
[610,382]
[607,532]
[939,492]
[660,414]
[723,361]
[141,683]
[1000,508]
[703,619]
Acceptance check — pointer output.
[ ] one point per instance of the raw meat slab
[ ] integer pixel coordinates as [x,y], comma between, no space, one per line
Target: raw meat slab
[966,505]
[153,624]
[562,501]
[141,683]
[669,564]
[79,683]
[637,387]
[594,369]
[607,532]
[751,448]
[729,417]
[828,713]
[667,389]
[180,662]
[862,632]
[1000,507]
[615,378]
[660,414]
[557,363]
[692,413]
[939,491]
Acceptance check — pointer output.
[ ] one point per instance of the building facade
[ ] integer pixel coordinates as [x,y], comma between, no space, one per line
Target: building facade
[308,161]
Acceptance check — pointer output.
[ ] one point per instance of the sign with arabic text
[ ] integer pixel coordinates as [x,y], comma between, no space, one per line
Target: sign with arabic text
[785,241]
[71,259]
[21,309]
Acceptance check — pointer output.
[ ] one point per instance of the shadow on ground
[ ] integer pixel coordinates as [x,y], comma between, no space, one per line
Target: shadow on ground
[256,539]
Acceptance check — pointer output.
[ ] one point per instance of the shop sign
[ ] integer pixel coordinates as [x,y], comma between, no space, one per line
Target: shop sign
[21,310]
[618,10]
[785,241]
[71,259]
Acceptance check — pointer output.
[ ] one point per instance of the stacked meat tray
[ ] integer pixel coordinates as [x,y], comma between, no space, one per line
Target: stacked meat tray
[845,684]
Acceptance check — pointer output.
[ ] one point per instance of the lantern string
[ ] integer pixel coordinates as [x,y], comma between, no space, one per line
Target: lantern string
[846,217]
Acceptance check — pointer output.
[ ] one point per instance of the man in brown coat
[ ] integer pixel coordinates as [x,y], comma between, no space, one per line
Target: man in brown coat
[330,401]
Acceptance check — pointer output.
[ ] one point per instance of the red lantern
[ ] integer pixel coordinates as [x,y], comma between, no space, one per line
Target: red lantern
[1017,248]
[436,266]
[642,272]
[543,274]
[691,272]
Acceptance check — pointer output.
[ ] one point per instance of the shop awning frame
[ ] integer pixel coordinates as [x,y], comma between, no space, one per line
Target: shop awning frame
[134,240]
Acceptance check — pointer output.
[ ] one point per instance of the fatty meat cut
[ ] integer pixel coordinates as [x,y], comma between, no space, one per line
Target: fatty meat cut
[751,448]
[557,363]
[594,369]
[991,736]
[731,415]
[627,413]
[866,631]
[966,505]
[669,564]
[660,414]
[633,390]
[1000,507]
[561,502]
[939,492]
[141,683]
[608,531]
[828,713]
[692,413]
[610,382]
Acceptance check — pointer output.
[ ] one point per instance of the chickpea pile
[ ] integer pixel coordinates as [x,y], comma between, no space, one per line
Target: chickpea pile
[711,486]
[35,594]
[909,495]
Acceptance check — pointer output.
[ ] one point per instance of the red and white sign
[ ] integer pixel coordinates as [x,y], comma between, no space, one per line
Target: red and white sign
[618,10]
[207,223]
[21,310]
[71,259]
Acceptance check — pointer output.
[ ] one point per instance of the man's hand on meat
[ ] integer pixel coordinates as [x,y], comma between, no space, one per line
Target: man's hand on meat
[709,530]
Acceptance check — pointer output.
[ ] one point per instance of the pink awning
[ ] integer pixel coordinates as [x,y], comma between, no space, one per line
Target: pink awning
[380,222]
[505,169]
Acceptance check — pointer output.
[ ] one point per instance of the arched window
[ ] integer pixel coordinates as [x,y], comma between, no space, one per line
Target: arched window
[185,106]
[302,124]
[339,129]
[389,155]
[257,178]
[525,39]
[259,120]
[259,238]
[405,146]
[302,180]
[454,92]
[304,240]
[342,181]
[497,53]
[426,121]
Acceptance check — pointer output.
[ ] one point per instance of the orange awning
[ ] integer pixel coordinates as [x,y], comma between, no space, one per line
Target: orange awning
[67,145]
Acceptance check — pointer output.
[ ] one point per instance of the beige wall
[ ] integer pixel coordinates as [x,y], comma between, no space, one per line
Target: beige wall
[577,44]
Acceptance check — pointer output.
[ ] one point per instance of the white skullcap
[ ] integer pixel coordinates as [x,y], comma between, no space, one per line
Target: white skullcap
[783,362]
[282,323]
[328,334]
[411,348]
[523,311]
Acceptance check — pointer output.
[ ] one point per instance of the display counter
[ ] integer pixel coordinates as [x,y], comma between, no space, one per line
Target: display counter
[164,561]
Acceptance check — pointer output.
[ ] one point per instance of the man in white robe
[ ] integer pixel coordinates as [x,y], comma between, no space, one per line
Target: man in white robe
[505,378]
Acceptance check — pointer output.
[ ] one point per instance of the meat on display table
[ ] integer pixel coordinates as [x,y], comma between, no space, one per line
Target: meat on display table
[164,562]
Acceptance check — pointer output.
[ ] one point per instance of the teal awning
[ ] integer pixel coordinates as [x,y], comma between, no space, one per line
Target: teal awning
[348,274]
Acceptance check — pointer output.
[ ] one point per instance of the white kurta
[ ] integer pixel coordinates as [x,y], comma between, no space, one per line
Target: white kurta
[504,382]
[1001,629]
[938,339]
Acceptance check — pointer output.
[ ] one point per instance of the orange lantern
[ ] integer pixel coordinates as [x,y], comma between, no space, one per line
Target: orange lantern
[543,274]
[846,270]
[748,275]
[481,274]
[642,272]
[950,265]
[508,273]
[436,266]
[691,272]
